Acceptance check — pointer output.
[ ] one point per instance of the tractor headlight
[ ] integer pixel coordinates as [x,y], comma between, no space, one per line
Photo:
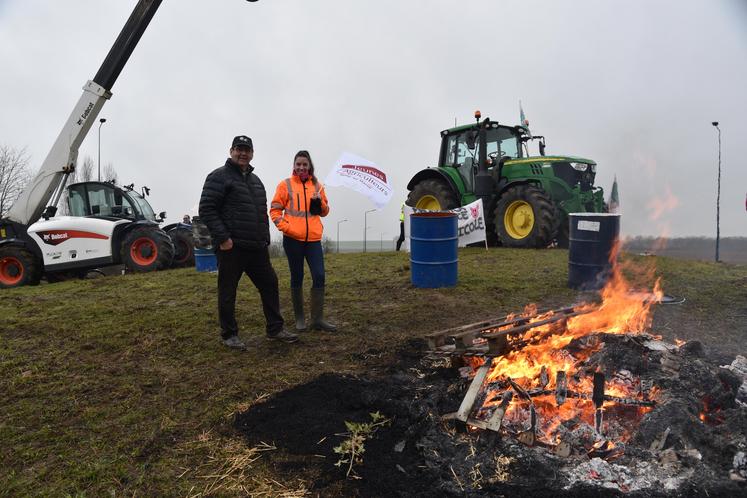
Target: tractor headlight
[579,166]
[593,168]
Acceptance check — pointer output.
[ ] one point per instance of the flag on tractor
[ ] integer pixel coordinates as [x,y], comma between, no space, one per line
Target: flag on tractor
[614,202]
[523,119]
[363,176]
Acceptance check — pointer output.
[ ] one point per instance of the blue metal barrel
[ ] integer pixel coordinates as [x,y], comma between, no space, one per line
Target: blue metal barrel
[591,239]
[433,249]
[205,260]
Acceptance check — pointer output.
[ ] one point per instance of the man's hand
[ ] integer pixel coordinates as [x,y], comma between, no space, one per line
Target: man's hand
[226,245]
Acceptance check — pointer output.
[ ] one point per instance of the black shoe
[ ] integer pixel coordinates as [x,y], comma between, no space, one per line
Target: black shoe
[235,343]
[284,336]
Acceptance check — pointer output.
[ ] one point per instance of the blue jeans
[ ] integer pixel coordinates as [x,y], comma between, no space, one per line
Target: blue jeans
[296,251]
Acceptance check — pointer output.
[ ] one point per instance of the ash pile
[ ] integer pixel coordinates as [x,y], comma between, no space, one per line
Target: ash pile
[692,442]
[680,429]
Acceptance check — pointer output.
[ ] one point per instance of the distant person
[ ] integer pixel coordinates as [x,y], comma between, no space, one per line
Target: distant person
[233,206]
[186,220]
[296,209]
[401,226]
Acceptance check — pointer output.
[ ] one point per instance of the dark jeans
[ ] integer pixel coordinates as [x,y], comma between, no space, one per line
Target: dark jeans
[401,234]
[296,251]
[256,264]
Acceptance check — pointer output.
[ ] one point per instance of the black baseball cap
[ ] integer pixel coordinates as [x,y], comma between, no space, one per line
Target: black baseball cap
[242,141]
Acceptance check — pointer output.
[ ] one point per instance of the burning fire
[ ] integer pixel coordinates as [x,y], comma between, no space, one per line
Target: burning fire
[539,360]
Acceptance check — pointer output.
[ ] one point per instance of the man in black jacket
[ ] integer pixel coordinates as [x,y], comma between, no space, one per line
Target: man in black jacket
[233,206]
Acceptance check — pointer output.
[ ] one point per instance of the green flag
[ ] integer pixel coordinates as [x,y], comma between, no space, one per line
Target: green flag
[614,202]
[523,119]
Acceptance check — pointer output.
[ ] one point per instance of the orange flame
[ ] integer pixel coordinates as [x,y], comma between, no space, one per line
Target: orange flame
[535,364]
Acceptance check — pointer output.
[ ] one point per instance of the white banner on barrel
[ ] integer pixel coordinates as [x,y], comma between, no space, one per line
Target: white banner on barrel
[470,221]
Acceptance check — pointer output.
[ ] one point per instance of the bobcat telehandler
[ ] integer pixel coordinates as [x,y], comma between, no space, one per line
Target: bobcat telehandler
[109,225]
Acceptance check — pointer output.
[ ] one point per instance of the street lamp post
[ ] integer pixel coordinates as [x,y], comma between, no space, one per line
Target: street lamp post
[338,235]
[365,227]
[718,187]
[101,122]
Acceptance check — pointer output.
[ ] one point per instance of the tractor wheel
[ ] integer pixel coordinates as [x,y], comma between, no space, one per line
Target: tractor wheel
[433,195]
[525,217]
[184,252]
[147,248]
[18,267]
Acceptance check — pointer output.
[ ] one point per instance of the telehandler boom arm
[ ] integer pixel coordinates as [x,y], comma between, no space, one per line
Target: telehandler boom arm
[60,162]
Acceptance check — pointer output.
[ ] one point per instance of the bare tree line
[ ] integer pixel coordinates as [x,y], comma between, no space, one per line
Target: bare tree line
[15,174]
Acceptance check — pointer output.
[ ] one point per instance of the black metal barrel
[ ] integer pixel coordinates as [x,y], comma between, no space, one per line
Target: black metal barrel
[592,237]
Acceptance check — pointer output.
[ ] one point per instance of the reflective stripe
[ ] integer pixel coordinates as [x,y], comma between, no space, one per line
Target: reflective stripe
[276,205]
[295,212]
[289,189]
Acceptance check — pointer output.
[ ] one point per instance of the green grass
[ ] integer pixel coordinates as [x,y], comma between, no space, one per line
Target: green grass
[120,386]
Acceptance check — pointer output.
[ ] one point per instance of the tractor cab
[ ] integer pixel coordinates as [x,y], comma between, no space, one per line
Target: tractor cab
[461,147]
[106,200]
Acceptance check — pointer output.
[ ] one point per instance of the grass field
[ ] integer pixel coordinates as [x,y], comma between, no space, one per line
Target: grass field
[119,385]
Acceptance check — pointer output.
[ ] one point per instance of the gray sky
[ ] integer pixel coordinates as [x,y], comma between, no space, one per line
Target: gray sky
[633,85]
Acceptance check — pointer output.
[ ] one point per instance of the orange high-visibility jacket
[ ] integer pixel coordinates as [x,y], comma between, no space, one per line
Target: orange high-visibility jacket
[289,209]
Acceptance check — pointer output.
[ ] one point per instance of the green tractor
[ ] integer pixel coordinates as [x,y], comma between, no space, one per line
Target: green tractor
[529,197]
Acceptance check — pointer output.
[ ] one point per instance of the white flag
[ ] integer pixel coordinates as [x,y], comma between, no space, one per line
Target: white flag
[363,176]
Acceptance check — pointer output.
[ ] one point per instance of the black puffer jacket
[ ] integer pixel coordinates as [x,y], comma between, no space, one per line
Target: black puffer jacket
[235,206]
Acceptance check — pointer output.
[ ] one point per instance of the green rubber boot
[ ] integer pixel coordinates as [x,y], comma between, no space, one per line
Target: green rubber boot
[317,311]
[297,298]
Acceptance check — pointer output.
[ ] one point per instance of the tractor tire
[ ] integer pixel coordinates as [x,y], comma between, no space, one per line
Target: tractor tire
[184,250]
[18,267]
[433,195]
[525,217]
[147,248]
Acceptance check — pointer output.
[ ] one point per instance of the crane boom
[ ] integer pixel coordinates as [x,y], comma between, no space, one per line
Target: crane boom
[60,161]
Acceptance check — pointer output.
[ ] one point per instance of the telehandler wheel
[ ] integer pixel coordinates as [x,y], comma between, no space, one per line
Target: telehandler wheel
[147,248]
[433,195]
[184,253]
[525,217]
[18,267]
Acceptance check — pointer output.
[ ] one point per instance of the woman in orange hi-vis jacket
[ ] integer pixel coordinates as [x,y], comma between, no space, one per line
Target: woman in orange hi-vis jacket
[296,209]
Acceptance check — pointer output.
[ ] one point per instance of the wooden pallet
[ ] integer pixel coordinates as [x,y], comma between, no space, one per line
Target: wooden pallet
[492,337]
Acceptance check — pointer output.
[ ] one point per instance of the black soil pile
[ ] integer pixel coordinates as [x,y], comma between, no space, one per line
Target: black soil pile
[418,454]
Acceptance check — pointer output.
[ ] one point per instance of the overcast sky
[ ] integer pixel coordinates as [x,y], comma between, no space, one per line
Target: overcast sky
[633,85]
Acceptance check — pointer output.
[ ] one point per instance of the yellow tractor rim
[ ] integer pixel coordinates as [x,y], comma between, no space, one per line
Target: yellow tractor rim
[519,219]
[428,202]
